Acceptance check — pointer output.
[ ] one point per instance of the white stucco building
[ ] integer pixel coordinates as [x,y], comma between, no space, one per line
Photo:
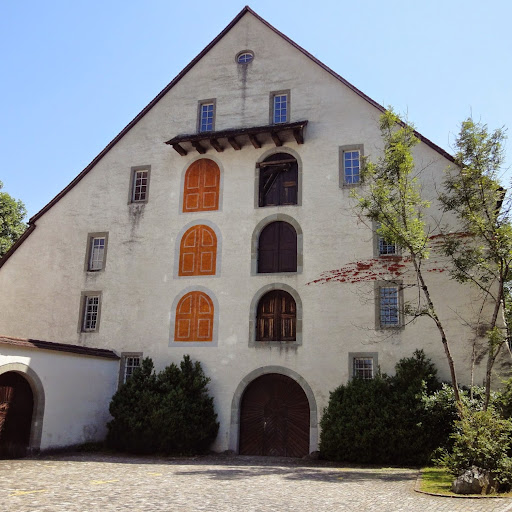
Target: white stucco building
[204,228]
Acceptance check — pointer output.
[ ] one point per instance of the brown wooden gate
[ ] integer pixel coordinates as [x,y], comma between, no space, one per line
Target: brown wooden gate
[16,405]
[274,418]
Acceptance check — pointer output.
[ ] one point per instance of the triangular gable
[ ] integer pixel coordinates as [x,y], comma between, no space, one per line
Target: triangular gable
[166,89]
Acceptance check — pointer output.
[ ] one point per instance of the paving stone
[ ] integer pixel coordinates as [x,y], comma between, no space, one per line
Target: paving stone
[97,482]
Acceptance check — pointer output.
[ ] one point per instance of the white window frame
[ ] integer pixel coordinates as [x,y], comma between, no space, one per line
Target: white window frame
[96,255]
[344,151]
[140,185]
[126,369]
[206,116]
[386,248]
[90,311]
[368,373]
[389,303]
[244,57]
[383,248]
[140,177]
[276,107]
[362,368]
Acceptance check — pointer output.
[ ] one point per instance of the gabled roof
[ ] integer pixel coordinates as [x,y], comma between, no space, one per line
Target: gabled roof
[166,89]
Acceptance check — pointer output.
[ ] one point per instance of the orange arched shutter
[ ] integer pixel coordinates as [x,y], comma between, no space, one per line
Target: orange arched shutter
[201,188]
[198,252]
[194,318]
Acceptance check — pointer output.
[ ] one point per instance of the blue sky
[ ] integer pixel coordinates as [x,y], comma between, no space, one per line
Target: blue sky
[75,73]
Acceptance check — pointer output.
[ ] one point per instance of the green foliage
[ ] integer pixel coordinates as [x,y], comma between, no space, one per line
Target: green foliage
[481,250]
[473,192]
[12,213]
[171,412]
[393,198]
[482,439]
[382,420]
[502,401]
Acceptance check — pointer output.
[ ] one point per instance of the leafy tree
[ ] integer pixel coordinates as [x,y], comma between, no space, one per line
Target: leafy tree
[393,200]
[12,213]
[483,255]
[171,412]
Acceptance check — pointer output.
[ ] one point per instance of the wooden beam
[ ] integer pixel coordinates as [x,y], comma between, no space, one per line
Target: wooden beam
[198,147]
[276,139]
[234,143]
[276,162]
[255,142]
[215,144]
[299,135]
[179,149]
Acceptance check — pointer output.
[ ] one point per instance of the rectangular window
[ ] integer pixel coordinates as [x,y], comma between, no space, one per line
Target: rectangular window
[130,361]
[279,107]
[350,165]
[362,367]
[206,121]
[90,311]
[389,306]
[386,248]
[96,252]
[130,364]
[140,186]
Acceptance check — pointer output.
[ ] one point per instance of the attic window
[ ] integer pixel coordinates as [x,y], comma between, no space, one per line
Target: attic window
[245,57]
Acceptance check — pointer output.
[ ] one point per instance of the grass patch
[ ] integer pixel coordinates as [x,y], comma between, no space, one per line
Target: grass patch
[436,480]
[439,481]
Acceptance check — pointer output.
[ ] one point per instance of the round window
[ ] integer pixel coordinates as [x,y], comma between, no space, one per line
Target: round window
[244,57]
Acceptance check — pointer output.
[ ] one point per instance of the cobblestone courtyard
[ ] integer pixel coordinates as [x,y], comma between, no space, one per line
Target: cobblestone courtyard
[94,482]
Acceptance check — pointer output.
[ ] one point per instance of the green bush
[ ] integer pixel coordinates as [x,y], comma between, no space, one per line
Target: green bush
[482,439]
[383,420]
[171,412]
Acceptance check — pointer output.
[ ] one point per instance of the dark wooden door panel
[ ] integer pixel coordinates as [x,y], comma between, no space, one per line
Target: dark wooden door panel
[16,405]
[274,418]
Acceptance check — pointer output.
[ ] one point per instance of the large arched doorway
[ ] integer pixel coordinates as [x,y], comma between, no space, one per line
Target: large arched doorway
[274,417]
[16,407]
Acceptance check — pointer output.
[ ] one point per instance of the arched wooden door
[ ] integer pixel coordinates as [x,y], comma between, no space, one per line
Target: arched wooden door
[16,406]
[274,418]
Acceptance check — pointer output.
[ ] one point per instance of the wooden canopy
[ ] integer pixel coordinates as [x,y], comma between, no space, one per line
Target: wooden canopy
[239,137]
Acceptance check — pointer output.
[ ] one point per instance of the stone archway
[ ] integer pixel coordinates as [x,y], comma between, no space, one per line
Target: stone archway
[274,412]
[274,418]
[30,386]
[16,408]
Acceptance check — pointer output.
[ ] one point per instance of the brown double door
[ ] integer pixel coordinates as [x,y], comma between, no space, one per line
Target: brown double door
[16,405]
[274,418]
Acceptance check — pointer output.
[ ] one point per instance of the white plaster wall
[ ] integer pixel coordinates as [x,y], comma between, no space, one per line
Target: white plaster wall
[77,393]
[42,282]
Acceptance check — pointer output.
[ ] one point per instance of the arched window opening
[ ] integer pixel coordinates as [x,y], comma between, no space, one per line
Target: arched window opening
[198,252]
[277,248]
[276,317]
[194,318]
[278,183]
[201,187]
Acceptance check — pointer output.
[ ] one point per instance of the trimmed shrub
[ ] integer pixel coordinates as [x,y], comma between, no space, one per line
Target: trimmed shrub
[482,439]
[171,412]
[382,420]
